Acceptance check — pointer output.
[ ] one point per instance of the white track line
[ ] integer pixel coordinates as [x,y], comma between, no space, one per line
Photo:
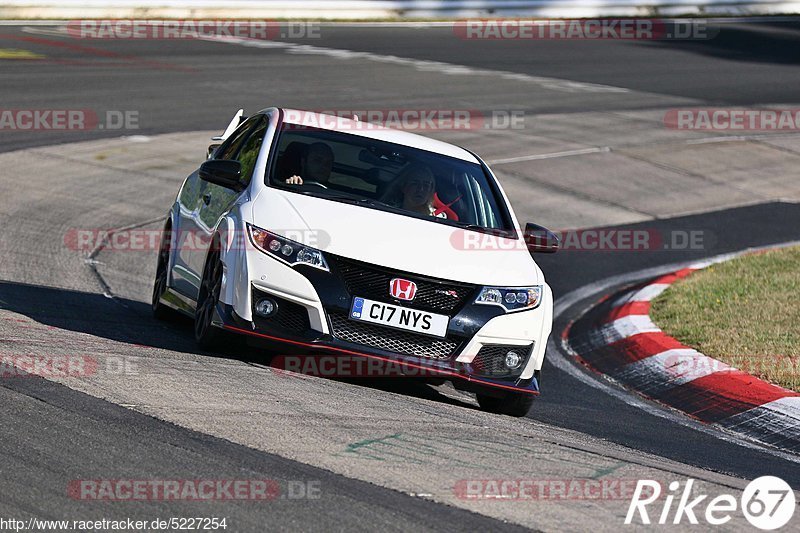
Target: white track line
[439,67]
[551,155]
[646,294]
[627,326]
[608,149]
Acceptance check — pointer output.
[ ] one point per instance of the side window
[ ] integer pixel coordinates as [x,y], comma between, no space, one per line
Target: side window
[249,152]
[231,147]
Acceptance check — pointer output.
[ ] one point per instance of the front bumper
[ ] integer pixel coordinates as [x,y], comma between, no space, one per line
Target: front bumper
[313,318]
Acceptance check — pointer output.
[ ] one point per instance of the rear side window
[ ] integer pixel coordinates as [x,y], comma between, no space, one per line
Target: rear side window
[248,154]
[230,148]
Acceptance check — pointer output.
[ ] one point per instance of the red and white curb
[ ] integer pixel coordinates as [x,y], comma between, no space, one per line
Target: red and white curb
[627,346]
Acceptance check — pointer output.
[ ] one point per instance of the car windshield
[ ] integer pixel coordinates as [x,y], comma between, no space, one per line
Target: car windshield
[380,175]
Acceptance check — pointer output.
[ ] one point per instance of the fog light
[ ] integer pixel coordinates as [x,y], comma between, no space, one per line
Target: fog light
[513,360]
[266,307]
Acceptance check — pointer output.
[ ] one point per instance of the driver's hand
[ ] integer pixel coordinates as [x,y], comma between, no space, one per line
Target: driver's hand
[294,180]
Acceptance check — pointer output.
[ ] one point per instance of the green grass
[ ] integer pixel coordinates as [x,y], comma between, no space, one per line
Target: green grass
[744,312]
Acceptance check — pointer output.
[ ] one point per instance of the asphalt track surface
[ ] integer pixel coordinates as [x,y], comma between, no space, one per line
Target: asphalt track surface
[52,433]
[744,65]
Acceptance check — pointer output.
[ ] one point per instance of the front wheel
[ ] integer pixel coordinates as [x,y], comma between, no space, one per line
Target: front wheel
[510,403]
[208,336]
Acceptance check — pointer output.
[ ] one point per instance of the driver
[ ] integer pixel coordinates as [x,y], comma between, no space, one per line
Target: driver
[316,165]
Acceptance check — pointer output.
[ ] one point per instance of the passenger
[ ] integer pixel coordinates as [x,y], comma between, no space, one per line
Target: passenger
[316,165]
[418,186]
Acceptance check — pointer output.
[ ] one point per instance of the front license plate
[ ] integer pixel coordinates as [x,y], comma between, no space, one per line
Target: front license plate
[399,317]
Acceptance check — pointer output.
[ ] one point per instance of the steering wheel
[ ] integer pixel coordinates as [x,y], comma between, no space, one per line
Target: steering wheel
[318,184]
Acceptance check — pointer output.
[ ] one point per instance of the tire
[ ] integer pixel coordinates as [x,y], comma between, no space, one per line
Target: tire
[161,311]
[512,403]
[209,337]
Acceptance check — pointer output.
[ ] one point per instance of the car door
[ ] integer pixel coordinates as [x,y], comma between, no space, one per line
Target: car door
[216,200]
[183,279]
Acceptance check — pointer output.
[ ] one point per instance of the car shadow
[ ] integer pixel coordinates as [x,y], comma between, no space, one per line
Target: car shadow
[116,319]
[131,322]
[409,387]
[775,43]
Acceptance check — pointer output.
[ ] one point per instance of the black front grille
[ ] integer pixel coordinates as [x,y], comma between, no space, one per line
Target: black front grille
[365,280]
[290,317]
[390,339]
[491,360]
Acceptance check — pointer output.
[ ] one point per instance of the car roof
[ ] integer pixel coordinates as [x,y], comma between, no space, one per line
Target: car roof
[354,127]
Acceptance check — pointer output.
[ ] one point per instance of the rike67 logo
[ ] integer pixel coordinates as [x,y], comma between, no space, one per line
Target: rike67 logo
[767,503]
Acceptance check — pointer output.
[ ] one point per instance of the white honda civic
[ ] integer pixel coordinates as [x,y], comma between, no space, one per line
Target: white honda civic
[325,235]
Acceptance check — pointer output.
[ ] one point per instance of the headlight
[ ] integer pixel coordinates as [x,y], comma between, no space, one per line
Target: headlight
[287,250]
[511,298]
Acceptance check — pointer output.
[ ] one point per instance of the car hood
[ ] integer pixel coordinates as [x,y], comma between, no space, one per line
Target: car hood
[395,241]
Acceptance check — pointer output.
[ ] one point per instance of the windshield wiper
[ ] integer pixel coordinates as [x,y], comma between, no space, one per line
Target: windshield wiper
[498,232]
[356,201]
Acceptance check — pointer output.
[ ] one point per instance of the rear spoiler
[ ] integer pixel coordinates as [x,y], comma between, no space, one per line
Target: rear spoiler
[237,119]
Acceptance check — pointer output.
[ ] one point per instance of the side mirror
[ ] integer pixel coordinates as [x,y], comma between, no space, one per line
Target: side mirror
[540,239]
[223,172]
